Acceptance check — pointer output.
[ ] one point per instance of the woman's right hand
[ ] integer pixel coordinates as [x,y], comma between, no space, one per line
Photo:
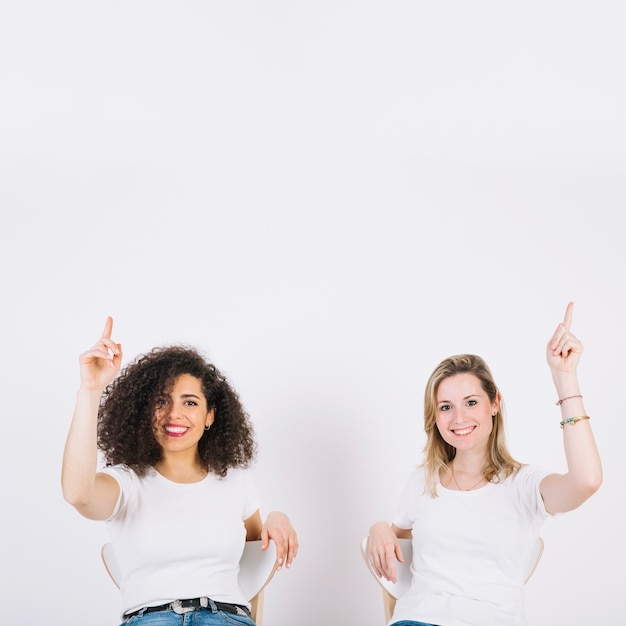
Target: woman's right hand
[101,363]
[383,550]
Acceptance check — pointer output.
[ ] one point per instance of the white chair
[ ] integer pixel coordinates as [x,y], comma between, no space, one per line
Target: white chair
[392,591]
[256,569]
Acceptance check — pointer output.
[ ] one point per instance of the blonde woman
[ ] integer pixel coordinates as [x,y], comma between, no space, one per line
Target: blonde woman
[473,512]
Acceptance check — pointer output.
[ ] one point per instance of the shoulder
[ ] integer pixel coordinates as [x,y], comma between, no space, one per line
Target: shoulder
[243,476]
[525,486]
[528,475]
[125,475]
[119,470]
[236,478]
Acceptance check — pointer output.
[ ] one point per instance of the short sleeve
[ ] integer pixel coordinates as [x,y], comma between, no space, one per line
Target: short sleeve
[529,481]
[251,500]
[403,517]
[127,480]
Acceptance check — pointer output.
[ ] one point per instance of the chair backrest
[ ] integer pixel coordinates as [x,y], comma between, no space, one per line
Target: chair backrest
[392,591]
[256,569]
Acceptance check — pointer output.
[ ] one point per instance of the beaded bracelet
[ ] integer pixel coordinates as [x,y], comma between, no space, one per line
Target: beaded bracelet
[573,420]
[560,402]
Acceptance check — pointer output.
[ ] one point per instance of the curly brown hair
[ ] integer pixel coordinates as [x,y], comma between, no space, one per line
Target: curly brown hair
[125,416]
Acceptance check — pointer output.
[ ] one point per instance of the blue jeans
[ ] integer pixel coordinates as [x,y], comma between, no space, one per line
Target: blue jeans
[406,622]
[198,617]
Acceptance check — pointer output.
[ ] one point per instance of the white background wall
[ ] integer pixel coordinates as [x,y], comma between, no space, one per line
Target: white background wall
[328,198]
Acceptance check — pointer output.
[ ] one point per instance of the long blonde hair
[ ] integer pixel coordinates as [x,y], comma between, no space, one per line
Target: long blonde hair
[438,454]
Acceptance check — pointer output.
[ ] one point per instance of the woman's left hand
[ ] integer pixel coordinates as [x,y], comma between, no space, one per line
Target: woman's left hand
[564,349]
[278,529]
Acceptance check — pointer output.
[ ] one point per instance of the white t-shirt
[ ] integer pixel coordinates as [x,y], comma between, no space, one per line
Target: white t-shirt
[178,541]
[472,550]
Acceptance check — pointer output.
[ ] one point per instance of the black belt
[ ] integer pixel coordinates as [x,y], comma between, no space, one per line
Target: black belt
[184,606]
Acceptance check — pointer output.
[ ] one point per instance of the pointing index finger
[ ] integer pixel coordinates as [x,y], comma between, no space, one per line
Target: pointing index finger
[569,313]
[108,328]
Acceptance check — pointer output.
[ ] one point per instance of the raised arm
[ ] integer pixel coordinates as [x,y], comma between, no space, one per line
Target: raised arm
[564,492]
[92,494]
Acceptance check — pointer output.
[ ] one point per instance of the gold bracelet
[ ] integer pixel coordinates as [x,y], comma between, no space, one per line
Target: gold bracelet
[573,420]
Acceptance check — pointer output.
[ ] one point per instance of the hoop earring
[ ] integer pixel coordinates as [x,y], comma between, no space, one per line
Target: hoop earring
[207,427]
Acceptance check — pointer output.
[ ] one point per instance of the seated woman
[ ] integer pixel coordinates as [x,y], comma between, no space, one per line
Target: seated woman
[176,492]
[473,512]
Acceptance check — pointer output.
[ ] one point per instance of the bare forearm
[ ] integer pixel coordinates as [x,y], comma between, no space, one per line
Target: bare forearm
[581,453]
[564,492]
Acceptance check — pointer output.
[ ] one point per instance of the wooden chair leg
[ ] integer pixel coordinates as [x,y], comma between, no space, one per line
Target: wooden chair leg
[389,602]
[256,607]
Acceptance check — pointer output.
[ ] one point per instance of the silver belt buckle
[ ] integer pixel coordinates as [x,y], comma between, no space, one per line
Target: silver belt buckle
[177,607]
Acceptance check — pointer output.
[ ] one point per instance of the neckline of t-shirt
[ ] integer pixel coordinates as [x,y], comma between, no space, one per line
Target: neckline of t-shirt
[478,489]
[169,481]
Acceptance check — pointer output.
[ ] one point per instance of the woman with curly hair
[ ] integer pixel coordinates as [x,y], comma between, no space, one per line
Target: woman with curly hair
[472,511]
[175,491]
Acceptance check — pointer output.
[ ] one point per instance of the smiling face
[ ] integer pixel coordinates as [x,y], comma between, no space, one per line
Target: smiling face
[464,413]
[181,415]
